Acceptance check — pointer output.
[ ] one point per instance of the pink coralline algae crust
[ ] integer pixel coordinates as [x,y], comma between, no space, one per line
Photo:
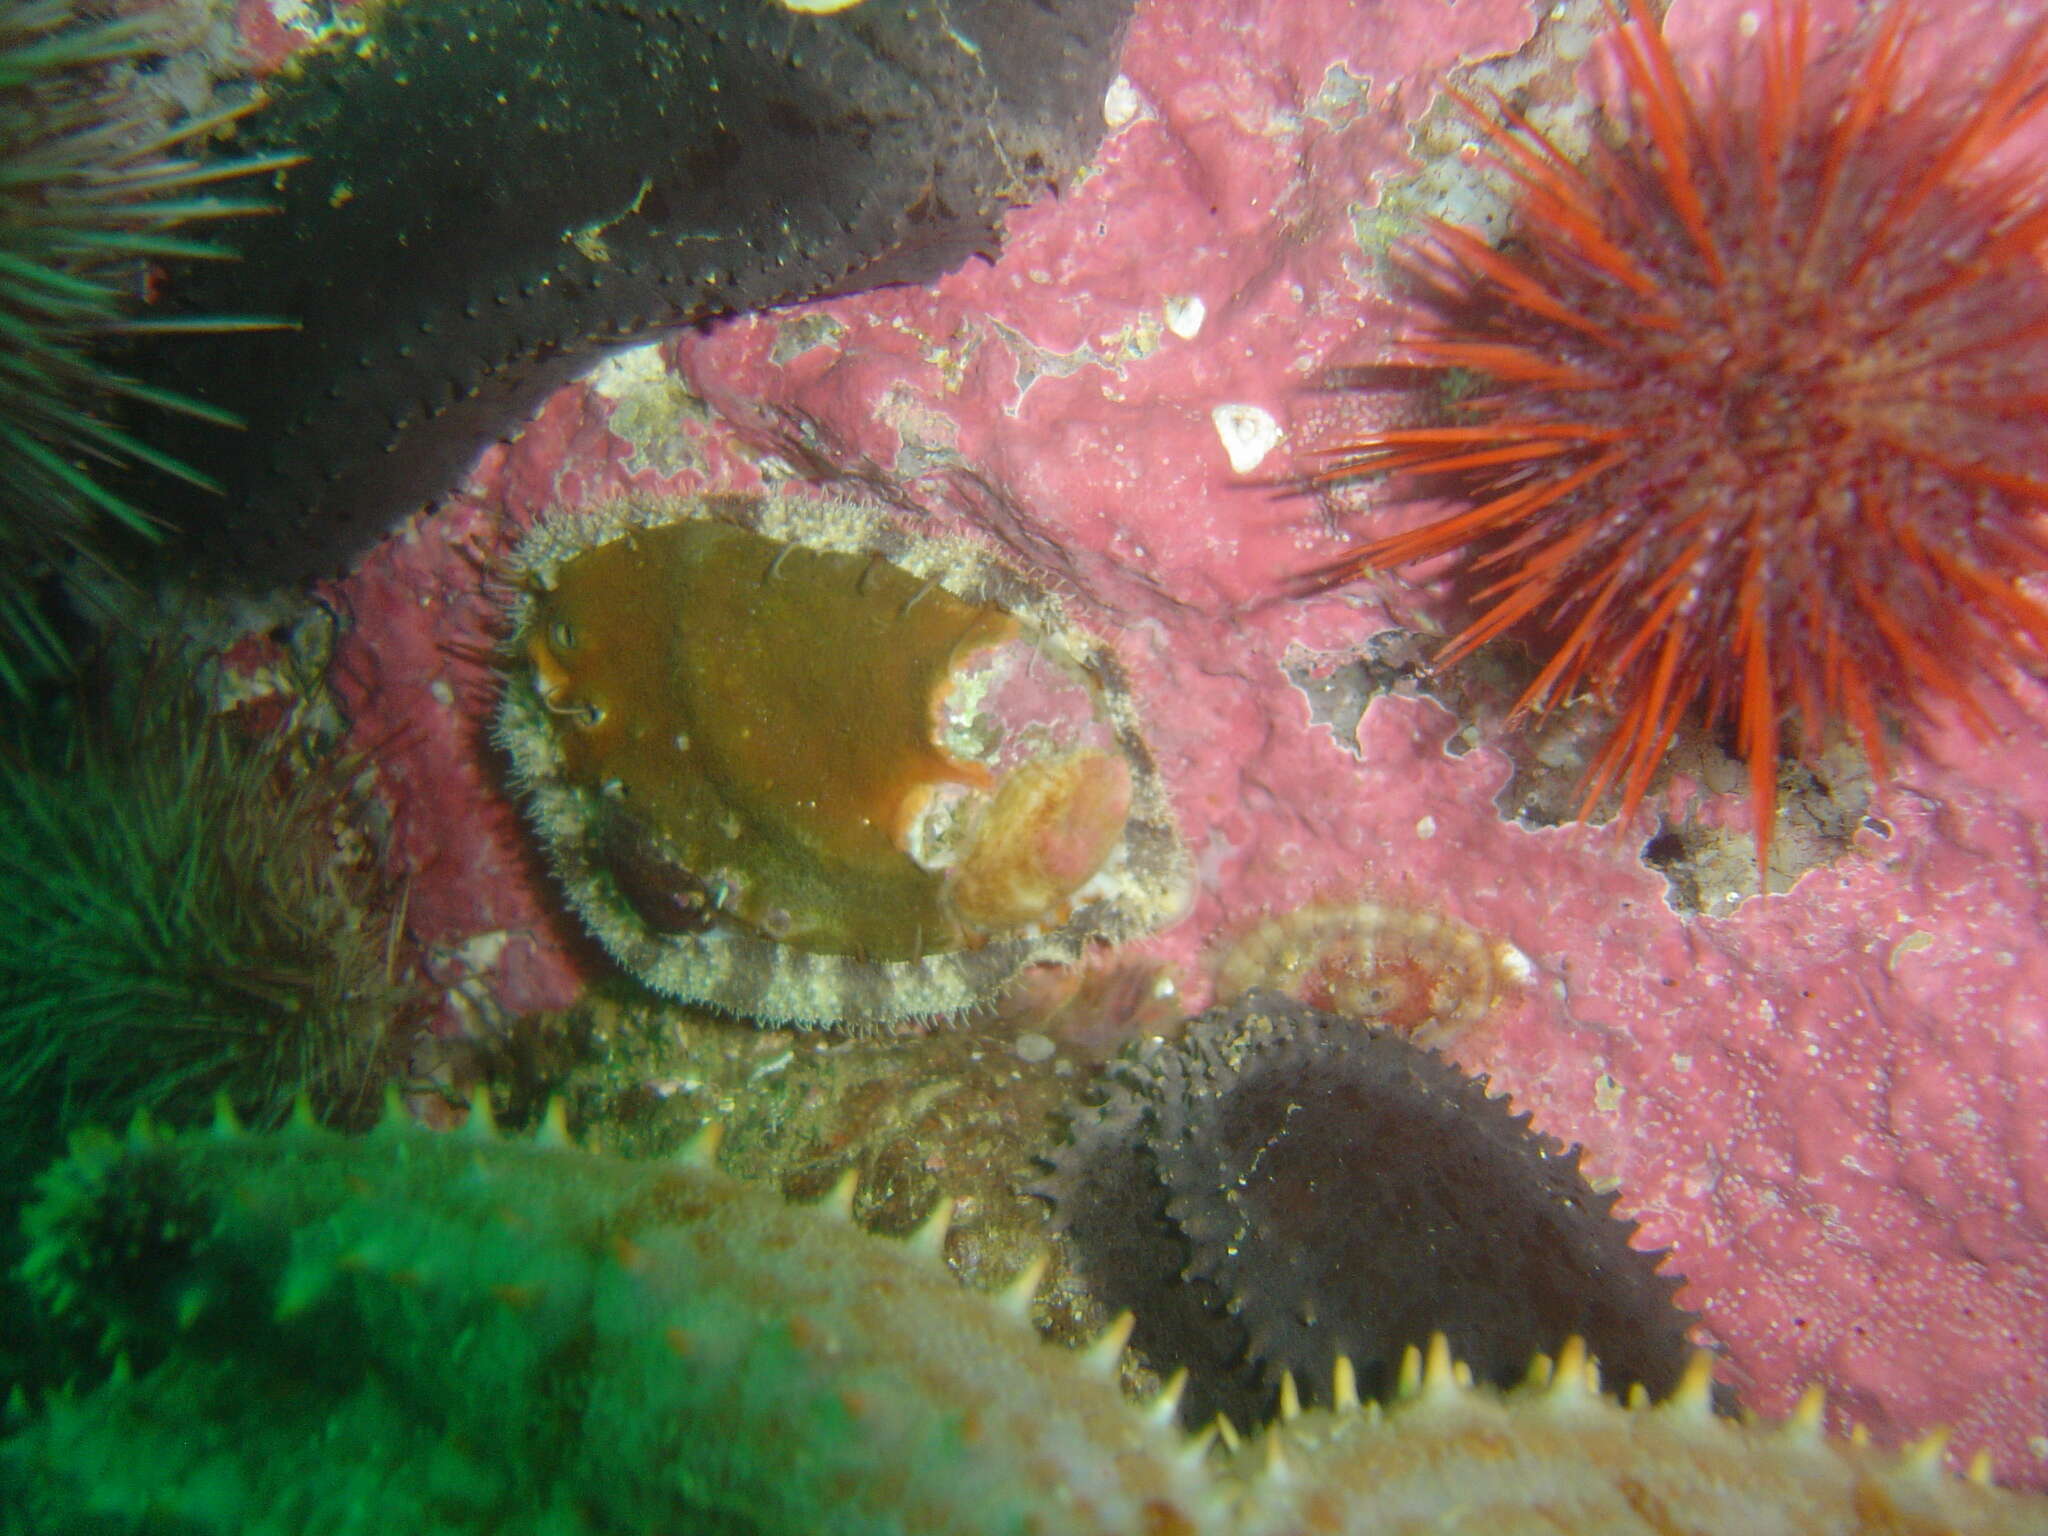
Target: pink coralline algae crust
[414,678]
[1832,1104]
[271,31]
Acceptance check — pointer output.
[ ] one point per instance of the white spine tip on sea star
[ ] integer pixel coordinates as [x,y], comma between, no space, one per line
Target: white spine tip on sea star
[191,1307]
[701,1150]
[930,1236]
[554,1127]
[1104,1355]
[1441,1375]
[1344,1385]
[1807,1414]
[395,1117]
[1693,1398]
[1577,1377]
[1165,1402]
[1276,1459]
[1194,1451]
[1408,1381]
[1290,1398]
[838,1200]
[482,1122]
[1016,1297]
[1923,1458]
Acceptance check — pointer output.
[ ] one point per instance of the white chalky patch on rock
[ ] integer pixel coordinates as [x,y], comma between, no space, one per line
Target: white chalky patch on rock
[623,372]
[1120,102]
[1248,434]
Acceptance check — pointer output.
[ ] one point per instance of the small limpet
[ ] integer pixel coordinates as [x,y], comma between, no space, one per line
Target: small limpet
[792,760]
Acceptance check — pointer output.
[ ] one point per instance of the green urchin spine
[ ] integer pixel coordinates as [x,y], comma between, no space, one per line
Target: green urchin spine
[92,193]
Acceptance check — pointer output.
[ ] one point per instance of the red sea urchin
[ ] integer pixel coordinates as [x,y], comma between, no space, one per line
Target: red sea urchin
[1759,424]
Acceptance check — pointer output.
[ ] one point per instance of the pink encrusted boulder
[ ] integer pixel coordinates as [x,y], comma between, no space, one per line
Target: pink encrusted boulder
[1832,1102]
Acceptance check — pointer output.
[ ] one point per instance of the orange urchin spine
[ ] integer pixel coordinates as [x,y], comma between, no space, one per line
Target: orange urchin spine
[1763,425]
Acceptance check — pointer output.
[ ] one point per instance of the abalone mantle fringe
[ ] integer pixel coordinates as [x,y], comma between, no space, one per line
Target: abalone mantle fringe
[1149,874]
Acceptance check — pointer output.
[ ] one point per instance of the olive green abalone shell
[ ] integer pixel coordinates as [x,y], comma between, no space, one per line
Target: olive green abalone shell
[764,712]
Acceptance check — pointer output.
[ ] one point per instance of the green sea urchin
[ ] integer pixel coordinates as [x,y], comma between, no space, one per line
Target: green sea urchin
[1758,425]
[94,187]
[189,914]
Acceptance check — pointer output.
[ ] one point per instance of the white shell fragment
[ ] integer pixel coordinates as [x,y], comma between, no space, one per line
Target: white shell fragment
[1248,434]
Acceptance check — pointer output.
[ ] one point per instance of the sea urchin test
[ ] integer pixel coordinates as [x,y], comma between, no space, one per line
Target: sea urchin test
[791,759]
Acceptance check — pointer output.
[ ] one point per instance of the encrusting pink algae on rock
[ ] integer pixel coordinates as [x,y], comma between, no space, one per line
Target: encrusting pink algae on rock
[1831,1101]
[415,1331]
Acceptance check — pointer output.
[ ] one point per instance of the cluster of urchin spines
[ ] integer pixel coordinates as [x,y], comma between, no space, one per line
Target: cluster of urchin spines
[96,190]
[1759,431]
[193,911]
